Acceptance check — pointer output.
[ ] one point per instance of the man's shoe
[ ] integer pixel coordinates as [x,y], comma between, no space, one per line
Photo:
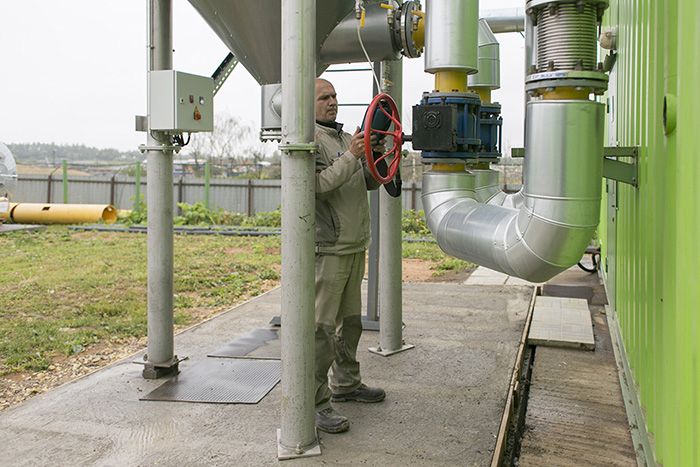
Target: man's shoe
[362,394]
[330,421]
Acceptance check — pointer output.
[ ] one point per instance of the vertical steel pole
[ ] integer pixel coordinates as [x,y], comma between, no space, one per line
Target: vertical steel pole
[371,321]
[160,359]
[297,435]
[207,178]
[65,181]
[137,189]
[390,294]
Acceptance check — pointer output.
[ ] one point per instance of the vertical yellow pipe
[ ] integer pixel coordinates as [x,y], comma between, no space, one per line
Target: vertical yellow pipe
[450,81]
[484,94]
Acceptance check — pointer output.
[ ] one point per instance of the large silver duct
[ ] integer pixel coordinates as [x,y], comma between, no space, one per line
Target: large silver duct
[503,20]
[449,45]
[343,46]
[562,192]
[489,60]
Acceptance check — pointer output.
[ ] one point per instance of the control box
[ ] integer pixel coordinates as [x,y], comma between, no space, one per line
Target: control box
[180,102]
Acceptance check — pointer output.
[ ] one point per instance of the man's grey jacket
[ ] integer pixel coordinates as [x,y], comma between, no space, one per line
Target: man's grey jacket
[342,181]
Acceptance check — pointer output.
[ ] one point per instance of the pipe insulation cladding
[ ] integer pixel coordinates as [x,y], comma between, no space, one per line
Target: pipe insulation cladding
[449,45]
[560,205]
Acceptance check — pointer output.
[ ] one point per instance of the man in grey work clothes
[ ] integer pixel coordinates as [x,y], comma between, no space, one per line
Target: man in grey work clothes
[342,236]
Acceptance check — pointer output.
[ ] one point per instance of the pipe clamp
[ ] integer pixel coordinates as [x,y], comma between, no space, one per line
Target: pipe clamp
[144,147]
[289,147]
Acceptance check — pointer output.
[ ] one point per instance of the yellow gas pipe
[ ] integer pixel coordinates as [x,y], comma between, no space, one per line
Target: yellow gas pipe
[35,213]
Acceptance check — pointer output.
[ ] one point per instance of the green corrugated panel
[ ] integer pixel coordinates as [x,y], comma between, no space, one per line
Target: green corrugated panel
[657,258]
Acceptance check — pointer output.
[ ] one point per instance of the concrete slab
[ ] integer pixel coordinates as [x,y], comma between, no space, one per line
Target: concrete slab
[445,398]
[561,322]
[485,276]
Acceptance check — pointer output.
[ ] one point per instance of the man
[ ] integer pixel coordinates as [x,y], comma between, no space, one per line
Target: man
[342,237]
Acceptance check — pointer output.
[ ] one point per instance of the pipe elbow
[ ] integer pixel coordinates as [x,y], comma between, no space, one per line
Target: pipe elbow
[545,228]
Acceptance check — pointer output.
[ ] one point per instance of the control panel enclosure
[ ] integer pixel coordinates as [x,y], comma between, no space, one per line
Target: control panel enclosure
[180,102]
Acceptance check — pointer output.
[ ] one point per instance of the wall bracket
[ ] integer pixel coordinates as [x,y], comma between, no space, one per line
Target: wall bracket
[615,169]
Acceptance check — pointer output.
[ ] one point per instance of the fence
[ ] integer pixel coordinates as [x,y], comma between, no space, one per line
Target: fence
[233,195]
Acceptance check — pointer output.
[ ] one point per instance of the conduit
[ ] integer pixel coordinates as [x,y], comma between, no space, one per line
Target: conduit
[36,213]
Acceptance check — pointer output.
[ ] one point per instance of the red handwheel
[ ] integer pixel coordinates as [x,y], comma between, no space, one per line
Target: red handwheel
[397,134]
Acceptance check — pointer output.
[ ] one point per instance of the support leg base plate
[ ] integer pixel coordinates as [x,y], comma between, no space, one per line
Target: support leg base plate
[285,452]
[385,353]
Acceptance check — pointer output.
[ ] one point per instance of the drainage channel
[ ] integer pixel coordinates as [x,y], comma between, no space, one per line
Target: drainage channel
[508,442]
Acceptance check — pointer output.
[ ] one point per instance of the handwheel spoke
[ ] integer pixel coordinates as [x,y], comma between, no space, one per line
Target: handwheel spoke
[396,122]
[382,157]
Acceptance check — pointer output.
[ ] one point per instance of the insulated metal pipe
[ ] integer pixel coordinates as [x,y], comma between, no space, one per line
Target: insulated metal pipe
[343,46]
[297,435]
[489,75]
[503,20]
[450,42]
[160,204]
[562,191]
[390,257]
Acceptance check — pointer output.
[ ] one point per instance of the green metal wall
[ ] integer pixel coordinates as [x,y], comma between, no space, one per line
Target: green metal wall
[651,233]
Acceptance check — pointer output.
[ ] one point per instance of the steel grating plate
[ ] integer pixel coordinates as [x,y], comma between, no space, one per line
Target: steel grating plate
[258,343]
[221,381]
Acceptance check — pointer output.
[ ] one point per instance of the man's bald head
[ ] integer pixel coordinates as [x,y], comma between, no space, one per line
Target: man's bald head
[326,101]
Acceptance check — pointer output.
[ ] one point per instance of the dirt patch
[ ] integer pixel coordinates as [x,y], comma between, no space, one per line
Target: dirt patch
[417,270]
[18,387]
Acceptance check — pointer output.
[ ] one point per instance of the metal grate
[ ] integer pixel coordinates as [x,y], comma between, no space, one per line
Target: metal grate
[258,344]
[220,381]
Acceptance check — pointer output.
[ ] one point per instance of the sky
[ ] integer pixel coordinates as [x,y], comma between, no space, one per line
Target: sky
[74,72]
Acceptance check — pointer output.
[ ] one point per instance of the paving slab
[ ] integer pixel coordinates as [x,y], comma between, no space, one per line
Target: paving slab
[561,322]
[485,276]
[445,398]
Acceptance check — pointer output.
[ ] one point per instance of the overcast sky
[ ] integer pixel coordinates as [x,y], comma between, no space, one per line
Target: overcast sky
[74,72]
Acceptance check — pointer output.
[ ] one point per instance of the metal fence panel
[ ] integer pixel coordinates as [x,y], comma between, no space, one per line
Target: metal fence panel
[234,195]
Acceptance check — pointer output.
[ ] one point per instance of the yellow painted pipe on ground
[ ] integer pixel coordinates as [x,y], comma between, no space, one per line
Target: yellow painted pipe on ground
[35,213]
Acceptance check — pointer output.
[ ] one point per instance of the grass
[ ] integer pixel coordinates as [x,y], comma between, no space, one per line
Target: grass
[63,292]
